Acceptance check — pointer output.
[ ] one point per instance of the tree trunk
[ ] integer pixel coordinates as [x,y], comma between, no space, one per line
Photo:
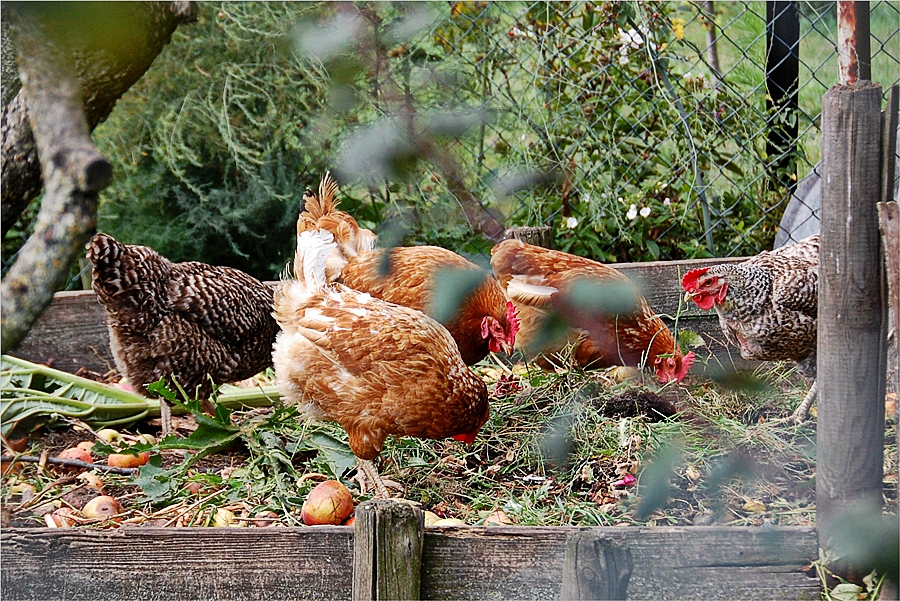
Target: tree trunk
[75,60]
[111,44]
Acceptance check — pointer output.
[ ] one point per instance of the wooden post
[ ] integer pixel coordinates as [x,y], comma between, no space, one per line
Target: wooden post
[538,236]
[889,222]
[851,316]
[595,567]
[387,551]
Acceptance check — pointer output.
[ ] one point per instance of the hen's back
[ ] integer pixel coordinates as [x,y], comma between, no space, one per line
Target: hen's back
[190,321]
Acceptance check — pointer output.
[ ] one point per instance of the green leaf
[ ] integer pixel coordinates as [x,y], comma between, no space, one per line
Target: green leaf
[210,436]
[689,339]
[452,287]
[846,592]
[158,483]
[32,395]
[337,454]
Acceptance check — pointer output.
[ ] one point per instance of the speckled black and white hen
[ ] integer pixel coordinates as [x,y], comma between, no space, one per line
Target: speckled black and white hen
[767,306]
[193,322]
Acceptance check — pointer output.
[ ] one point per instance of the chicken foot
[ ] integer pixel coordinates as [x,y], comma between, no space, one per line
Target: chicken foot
[802,411]
[165,418]
[367,474]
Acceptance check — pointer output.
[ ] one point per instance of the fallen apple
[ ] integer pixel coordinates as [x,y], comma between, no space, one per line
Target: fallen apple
[223,518]
[86,445]
[108,435]
[91,480]
[63,517]
[103,506]
[265,519]
[431,517]
[449,522]
[330,502]
[127,460]
[76,454]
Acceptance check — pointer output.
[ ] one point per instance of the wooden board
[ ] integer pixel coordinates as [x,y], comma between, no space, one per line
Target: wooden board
[162,564]
[458,563]
[669,563]
[72,332]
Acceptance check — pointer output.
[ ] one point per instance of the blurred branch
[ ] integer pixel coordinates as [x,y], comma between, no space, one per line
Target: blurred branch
[110,46]
[60,48]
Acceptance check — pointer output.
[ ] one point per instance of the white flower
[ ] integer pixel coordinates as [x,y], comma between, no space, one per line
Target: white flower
[623,60]
[571,223]
[522,138]
[585,197]
[645,212]
[623,200]
[667,201]
[632,213]
[687,75]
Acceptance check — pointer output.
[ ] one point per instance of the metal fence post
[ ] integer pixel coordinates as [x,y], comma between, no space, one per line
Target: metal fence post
[782,87]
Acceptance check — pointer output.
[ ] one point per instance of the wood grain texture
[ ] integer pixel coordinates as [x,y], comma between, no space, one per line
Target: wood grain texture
[73,333]
[458,563]
[669,563]
[595,567]
[150,564]
[889,222]
[852,313]
[388,551]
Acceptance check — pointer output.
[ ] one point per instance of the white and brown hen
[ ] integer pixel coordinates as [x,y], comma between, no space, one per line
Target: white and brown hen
[374,367]
[767,306]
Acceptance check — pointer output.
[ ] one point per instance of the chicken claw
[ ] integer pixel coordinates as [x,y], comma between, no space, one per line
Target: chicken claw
[368,474]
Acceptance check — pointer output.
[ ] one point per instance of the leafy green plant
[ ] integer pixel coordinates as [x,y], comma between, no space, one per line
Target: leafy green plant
[32,395]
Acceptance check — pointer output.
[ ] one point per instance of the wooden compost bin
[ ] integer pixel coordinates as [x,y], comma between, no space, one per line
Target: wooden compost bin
[379,561]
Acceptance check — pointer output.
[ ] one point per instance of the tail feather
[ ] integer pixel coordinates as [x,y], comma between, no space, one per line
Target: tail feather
[320,213]
[313,248]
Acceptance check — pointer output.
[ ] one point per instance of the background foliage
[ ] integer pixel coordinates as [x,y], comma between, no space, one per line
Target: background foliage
[603,120]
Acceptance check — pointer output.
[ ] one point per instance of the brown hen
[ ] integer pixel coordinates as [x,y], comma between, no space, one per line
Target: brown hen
[605,320]
[483,321]
[373,367]
[190,322]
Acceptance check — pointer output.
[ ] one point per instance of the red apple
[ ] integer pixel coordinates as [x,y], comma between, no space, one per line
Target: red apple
[101,507]
[328,503]
[77,454]
[127,460]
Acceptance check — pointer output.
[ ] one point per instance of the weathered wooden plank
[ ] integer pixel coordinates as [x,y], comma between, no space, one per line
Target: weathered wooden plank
[72,332]
[387,551]
[668,563]
[595,567]
[458,563]
[149,564]
[852,322]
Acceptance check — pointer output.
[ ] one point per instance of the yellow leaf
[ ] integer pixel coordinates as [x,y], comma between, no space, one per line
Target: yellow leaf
[754,507]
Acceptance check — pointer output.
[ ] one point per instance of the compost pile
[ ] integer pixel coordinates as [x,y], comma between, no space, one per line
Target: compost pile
[566,448]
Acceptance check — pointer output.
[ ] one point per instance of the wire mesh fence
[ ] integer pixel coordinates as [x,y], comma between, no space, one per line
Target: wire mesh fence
[637,131]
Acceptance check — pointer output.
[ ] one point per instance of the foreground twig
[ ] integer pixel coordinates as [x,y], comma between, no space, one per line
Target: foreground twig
[125,471]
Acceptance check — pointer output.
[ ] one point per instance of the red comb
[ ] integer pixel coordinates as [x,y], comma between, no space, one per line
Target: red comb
[689,281]
[512,317]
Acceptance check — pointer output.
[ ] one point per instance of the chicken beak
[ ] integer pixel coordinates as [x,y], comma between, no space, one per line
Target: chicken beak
[689,296]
